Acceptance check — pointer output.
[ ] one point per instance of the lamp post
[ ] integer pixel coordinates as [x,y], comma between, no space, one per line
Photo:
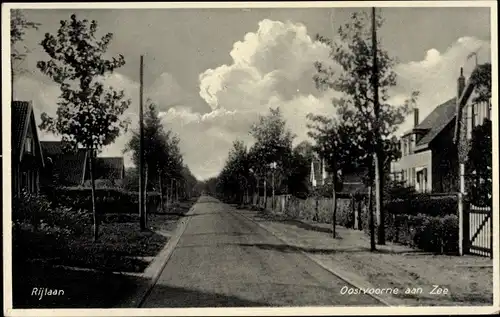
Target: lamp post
[273,168]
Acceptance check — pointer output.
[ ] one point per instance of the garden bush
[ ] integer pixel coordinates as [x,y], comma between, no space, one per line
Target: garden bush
[39,213]
[108,200]
[423,204]
[40,228]
[428,233]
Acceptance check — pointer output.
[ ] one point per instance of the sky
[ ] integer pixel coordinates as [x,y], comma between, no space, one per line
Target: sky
[212,72]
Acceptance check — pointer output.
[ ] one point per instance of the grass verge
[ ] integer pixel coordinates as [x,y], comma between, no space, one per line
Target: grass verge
[82,268]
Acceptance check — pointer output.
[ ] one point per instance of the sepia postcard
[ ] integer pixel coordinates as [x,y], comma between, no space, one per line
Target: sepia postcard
[250,158]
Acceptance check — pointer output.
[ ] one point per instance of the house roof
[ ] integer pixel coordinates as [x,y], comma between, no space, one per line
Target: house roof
[109,167]
[51,148]
[435,122]
[69,166]
[316,164]
[20,111]
[21,114]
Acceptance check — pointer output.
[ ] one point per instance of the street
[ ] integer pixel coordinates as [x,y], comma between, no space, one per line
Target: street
[225,260]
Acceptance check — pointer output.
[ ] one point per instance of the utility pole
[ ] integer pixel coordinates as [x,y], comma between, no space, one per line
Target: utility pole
[378,154]
[142,214]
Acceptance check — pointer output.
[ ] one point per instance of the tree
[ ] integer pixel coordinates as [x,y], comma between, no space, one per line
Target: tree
[479,167]
[18,27]
[161,152]
[353,52]
[479,157]
[300,166]
[334,144]
[233,181]
[273,143]
[190,183]
[89,116]
[481,79]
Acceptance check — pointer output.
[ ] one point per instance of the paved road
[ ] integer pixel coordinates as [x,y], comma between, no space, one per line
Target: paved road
[225,260]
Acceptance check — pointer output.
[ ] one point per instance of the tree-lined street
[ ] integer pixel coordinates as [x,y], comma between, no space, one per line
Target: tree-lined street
[296,173]
[225,259]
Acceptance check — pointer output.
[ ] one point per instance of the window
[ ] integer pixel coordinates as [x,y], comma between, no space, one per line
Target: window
[475,115]
[469,120]
[28,145]
[418,183]
[413,142]
[424,180]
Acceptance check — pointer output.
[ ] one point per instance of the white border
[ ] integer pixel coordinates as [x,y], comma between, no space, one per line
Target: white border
[8,311]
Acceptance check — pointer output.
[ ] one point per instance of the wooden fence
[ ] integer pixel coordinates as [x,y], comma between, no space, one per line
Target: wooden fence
[478,230]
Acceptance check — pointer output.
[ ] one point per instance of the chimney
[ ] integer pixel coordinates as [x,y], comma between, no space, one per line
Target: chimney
[461,83]
[415,117]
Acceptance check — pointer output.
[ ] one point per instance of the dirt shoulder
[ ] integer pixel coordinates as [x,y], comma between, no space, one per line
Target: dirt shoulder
[421,278]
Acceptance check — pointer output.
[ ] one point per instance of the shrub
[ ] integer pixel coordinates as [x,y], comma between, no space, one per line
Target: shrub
[428,233]
[427,204]
[398,190]
[108,200]
[345,213]
[41,228]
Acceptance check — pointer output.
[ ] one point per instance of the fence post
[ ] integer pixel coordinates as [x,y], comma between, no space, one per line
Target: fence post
[462,244]
[491,232]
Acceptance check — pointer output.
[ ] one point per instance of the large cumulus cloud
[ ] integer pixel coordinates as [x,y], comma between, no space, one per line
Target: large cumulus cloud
[435,76]
[270,67]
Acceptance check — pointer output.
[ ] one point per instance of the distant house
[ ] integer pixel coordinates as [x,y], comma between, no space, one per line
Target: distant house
[27,153]
[428,155]
[318,175]
[107,169]
[71,168]
[64,168]
[352,182]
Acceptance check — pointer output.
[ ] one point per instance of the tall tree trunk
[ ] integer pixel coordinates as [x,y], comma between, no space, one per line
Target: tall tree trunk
[379,196]
[316,208]
[371,214]
[378,144]
[145,196]
[176,190]
[160,183]
[169,195]
[372,219]
[258,192]
[272,201]
[334,202]
[246,192]
[92,183]
[265,192]
[171,190]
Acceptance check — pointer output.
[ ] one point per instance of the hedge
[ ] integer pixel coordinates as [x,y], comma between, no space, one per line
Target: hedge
[424,221]
[428,233]
[421,224]
[428,204]
[108,200]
